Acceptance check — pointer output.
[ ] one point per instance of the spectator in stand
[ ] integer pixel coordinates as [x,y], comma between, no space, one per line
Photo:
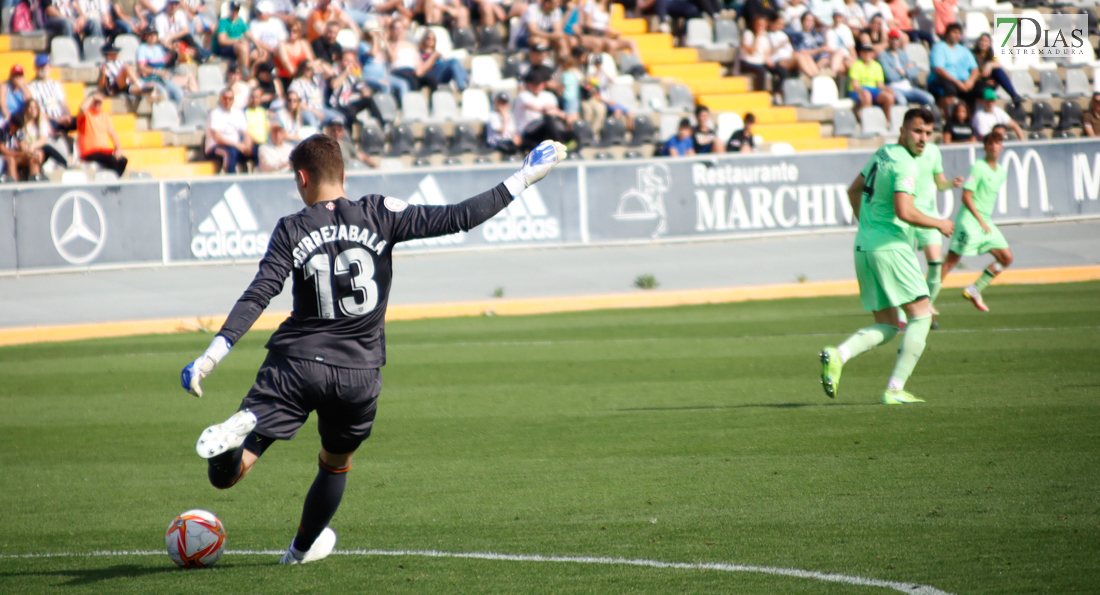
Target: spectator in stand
[275,154]
[313,98]
[955,74]
[491,12]
[373,56]
[825,9]
[991,74]
[17,153]
[877,35]
[755,51]
[1090,121]
[154,65]
[867,83]
[439,69]
[325,48]
[50,96]
[174,27]
[879,7]
[396,10]
[841,43]
[792,13]
[292,54]
[705,136]
[679,9]
[902,73]
[543,22]
[61,18]
[944,14]
[902,21]
[298,122]
[743,140]
[350,94]
[232,39]
[598,36]
[768,8]
[227,137]
[600,80]
[39,133]
[117,77]
[269,84]
[258,119]
[501,134]
[241,89]
[267,33]
[354,158]
[538,117]
[854,16]
[958,128]
[987,115]
[96,137]
[454,10]
[149,9]
[572,85]
[404,59]
[681,144]
[13,93]
[99,16]
[202,24]
[810,42]
[539,55]
[319,18]
[784,59]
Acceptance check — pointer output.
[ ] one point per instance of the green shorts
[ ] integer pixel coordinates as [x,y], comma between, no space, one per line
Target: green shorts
[889,278]
[970,240]
[927,236]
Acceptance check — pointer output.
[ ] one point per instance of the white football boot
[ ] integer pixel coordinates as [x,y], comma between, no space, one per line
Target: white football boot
[322,547]
[226,436]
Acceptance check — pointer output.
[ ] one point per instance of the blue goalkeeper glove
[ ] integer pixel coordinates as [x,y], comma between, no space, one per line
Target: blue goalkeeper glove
[194,372]
[538,163]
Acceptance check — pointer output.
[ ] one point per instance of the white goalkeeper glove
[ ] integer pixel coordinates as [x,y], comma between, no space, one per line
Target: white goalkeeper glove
[194,372]
[538,163]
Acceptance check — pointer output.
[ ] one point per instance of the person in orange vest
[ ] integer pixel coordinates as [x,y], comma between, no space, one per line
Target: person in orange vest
[96,140]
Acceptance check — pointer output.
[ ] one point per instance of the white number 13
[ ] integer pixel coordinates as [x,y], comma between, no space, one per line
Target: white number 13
[362,282]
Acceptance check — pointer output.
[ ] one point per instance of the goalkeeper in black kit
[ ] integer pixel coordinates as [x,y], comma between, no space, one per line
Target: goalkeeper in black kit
[326,356]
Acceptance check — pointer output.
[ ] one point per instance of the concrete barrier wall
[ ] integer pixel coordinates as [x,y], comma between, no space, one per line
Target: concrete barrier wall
[48,227]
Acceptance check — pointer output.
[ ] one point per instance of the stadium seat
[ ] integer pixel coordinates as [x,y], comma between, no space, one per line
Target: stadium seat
[511,67]
[670,123]
[464,39]
[937,116]
[873,122]
[699,34]
[475,106]
[434,141]
[210,78]
[127,47]
[74,176]
[919,55]
[795,93]
[782,149]
[63,52]
[372,141]
[644,131]
[422,162]
[443,43]
[484,72]
[632,64]
[844,123]
[652,98]
[1050,85]
[1042,116]
[1063,134]
[443,106]
[1077,84]
[1070,116]
[489,40]
[624,96]
[680,98]
[823,92]
[93,50]
[897,115]
[387,106]
[166,116]
[728,123]
[105,175]
[194,114]
[483,159]
[402,141]
[585,136]
[975,23]
[414,108]
[633,154]
[5,19]
[613,133]
[726,33]
[604,156]
[1015,110]
[464,140]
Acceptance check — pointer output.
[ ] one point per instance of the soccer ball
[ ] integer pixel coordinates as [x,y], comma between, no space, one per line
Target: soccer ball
[195,539]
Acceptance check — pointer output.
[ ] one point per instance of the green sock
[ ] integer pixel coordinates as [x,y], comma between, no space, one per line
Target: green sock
[912,346]
[866,339]
[934,283]
[984,280]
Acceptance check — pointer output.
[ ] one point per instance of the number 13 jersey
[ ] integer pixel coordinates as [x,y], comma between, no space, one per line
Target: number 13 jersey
[340,255]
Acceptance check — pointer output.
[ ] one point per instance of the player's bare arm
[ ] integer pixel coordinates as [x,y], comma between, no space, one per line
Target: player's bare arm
[855,195]
[909,213]
[942,183]
[968,202]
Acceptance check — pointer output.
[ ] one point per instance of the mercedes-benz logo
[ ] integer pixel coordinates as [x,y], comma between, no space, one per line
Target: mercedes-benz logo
[78,228]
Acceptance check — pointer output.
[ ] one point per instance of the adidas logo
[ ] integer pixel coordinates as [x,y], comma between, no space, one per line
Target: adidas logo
[526,219]
[429,193]
[231,229]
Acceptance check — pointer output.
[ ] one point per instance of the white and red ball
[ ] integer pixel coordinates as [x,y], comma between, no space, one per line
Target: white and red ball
[195,539]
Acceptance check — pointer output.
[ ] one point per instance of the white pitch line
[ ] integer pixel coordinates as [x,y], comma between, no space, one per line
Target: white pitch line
[911,588]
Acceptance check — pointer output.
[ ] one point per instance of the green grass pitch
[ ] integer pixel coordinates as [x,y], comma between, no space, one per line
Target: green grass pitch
[691,434]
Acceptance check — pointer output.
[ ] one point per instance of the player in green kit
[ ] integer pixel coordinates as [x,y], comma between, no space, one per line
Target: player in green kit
[889,275]
[931,180]
[976,232]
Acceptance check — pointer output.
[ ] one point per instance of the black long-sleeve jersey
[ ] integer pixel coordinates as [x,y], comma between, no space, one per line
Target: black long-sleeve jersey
[340,253]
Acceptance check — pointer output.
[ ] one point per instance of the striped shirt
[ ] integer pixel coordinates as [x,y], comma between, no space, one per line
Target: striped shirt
[50,97]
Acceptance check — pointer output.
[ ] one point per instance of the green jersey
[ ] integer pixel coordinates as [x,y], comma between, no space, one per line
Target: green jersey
[985,183]
[892,169]
[929,165]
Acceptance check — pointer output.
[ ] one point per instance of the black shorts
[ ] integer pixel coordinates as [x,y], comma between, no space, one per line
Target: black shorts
[287,389]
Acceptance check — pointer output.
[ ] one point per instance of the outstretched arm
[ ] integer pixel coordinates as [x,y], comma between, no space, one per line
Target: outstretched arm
[942,183]
[855,195]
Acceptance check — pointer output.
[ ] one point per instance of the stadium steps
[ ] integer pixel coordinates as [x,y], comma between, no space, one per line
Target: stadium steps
[653,57]
[141,159]
[772,115]
[198,169]
[738,102]
[651,41]
[785,133]
[623,25]
[700,70]
[817,144]
[719,86]
[140,140]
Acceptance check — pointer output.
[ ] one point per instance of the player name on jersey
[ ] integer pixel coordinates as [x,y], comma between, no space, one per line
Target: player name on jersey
[335,233]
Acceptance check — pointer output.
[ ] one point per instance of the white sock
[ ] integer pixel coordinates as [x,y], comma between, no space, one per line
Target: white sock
[895,384]
[844,353]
